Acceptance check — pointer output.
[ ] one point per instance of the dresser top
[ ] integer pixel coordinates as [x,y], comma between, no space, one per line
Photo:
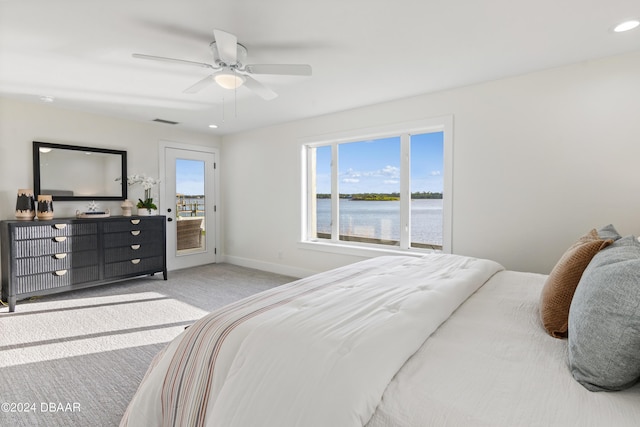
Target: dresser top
[80,220]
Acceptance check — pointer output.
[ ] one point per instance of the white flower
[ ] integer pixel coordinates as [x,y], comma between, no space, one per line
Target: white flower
[146,181]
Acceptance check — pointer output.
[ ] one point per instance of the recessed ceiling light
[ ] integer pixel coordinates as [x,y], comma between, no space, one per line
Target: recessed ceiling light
[626,26]
[213,126]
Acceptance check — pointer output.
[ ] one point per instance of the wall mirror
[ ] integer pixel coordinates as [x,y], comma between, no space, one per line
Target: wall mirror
[71,172]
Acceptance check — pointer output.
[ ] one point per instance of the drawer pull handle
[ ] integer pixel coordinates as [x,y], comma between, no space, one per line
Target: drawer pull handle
[60,239]
[135,247]
[60,272]
[60,226]
[135,221]
[135,261]
[60,256]
[135,232]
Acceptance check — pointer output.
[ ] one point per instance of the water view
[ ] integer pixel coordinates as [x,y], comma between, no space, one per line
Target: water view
[187,206]
[381,219]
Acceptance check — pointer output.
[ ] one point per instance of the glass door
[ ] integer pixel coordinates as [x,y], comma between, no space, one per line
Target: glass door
[189,204]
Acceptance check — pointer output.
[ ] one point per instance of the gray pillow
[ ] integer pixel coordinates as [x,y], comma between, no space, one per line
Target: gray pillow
[609,232]
[604,319]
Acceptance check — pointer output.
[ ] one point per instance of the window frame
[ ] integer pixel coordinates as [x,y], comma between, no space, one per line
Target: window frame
[404,130]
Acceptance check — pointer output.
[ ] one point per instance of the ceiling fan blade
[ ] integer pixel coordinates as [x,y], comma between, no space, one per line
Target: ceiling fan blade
[259,89]
[177,61]
[199,85]
[227,45]
[280,69]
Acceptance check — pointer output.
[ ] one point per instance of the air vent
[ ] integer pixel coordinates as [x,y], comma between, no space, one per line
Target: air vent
[168,122]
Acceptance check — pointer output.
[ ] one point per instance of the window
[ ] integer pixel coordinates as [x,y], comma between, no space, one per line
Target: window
[386,190]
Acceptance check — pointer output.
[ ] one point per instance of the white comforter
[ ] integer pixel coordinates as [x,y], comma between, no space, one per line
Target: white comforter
[316,352]
[492,364]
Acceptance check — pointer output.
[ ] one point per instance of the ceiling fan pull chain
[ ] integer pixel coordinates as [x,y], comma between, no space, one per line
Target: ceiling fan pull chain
[235,102]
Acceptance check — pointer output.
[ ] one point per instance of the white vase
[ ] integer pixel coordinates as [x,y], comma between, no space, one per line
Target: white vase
[127,206]
[147,212]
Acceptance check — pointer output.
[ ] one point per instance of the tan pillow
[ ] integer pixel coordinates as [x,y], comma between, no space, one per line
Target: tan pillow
[561,284]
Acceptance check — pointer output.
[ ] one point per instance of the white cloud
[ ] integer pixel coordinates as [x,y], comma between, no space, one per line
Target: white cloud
[385,179]
[386,172]
[436,173]
[391,170]
[350,173]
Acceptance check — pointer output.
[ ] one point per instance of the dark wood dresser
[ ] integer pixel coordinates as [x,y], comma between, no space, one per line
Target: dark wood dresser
[44,257]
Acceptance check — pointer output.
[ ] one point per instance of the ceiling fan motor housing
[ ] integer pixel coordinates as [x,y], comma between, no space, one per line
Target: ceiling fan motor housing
[241,55]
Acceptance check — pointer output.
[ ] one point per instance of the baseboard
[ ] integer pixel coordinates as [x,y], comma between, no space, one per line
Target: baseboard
[286,270]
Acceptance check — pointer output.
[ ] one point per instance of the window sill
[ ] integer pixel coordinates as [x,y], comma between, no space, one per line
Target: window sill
[360,249]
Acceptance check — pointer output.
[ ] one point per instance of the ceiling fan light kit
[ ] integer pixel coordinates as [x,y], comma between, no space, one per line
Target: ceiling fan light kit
[229,80]
[230,71]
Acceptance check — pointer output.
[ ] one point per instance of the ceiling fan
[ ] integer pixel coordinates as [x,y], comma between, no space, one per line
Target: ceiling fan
[230,71]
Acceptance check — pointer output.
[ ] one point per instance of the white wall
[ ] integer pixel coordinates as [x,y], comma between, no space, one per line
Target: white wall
[538,160]
[21,123]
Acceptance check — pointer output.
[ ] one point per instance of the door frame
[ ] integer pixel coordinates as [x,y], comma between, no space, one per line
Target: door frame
[162,146]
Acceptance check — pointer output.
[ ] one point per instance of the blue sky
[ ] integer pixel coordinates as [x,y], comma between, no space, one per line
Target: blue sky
[374,166]
[190,177]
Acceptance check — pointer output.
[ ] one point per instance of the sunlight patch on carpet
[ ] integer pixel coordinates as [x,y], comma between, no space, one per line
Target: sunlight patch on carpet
[91,325]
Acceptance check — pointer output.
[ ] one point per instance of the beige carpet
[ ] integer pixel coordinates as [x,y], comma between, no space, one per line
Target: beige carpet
[76,358]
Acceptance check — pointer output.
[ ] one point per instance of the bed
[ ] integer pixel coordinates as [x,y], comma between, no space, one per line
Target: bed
[437,340]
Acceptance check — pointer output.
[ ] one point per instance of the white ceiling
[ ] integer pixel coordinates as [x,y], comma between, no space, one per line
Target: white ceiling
[362,51]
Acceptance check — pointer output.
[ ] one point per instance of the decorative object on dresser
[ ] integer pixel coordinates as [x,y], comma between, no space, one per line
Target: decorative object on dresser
[146,206]
[142,211]
[45,207]
[93,212]
[127,207]
[44,257]
[25,205]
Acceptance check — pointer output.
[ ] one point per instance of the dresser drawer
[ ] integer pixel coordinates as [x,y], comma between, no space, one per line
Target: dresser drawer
[135,224]
[125,253]
[133,237]
[134,266]
[56,279]
[55,245]
[57,262]
[54,230]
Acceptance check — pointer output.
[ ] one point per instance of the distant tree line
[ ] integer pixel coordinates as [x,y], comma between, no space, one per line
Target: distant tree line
[383,196]
[376,196]
[426,195]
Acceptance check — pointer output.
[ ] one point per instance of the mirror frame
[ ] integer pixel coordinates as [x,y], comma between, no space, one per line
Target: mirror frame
[36,169]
